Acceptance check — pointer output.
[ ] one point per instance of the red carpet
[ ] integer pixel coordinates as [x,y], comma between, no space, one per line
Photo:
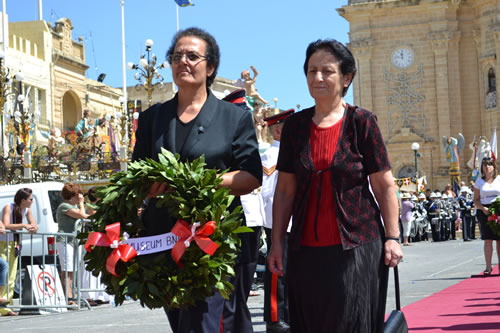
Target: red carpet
[472,305]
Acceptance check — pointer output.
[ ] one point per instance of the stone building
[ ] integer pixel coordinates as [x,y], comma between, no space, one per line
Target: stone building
[55,82]
[427,68]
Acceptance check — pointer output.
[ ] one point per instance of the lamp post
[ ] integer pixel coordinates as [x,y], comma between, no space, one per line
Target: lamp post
[147,71]
[415,147]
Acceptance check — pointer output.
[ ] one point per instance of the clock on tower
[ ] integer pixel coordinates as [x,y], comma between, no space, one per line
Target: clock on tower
[403,57]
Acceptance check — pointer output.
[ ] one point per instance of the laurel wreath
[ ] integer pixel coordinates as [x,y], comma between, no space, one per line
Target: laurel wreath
[494,223]
[194,196]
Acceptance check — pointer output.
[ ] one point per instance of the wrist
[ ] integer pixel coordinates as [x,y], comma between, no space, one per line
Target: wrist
[396,239]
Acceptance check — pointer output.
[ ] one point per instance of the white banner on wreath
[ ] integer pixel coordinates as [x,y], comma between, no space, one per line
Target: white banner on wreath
[152,244]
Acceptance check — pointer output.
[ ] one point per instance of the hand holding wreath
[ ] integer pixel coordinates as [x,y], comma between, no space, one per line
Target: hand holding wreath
[193,196]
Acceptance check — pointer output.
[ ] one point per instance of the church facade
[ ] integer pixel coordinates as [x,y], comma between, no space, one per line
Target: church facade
[427,69]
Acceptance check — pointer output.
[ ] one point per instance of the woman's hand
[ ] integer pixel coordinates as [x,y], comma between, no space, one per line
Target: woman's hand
[2,228]
[393,252]
[81,199]
[486,211]
[31,228]
[156,189]
[275,259]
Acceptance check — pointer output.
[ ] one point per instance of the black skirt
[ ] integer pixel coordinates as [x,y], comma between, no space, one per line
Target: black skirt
[332,290]
[486,232]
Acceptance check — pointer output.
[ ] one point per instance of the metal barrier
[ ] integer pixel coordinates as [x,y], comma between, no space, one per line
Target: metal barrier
[44,293]
[82,225]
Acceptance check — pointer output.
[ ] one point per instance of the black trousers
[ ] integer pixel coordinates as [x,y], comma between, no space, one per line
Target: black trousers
[473,227]
[237,317]
[436,230]
[467,227]
[275,288]
[205,317]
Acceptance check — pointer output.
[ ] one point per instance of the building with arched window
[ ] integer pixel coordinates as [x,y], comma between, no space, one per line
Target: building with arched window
[428,70]
[55,82]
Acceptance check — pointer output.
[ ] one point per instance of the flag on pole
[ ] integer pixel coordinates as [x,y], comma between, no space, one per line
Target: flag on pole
[493,145]
[184,3]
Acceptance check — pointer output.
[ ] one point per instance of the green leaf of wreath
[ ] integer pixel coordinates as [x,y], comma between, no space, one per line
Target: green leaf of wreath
[194,195]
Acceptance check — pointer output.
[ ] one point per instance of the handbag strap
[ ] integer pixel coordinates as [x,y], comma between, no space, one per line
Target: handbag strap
[396,285]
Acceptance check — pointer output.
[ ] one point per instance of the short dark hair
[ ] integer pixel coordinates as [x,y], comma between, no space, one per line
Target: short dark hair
[91,194]
[488,161]
[213,53]
[69,190]
[339,51]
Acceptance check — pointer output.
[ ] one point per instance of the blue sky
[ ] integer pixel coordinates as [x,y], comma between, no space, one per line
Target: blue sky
[270,35]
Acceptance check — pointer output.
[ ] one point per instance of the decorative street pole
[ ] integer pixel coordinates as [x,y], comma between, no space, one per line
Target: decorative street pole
[121,117]
[123,99]
[415,146]
[7,88]
[147,71]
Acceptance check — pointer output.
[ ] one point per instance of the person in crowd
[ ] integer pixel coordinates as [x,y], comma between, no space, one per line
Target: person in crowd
[486,190]
[422,207]
[339,251]
[455,219]
[13,215]
[69,211]
[434,216]
[447,226]
[406,216]
[4,268]
[465,207]
[428,193]
[275,286]
[449,192]
[254,218]
[193,123]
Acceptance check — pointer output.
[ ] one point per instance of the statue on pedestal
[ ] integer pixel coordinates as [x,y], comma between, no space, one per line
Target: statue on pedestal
[84,128]
[55,140]
[258,120]
[452,148]
[480,150]
[249,85]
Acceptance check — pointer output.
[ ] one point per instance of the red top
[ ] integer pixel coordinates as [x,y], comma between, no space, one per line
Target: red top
[321,228]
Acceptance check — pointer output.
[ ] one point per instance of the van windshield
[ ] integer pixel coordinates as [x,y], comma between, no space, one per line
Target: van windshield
[55,199]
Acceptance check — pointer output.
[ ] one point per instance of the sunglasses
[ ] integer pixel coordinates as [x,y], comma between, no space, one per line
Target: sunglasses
[192,57]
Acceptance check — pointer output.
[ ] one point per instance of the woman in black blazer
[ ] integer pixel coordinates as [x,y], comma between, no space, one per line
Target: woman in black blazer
[196,123]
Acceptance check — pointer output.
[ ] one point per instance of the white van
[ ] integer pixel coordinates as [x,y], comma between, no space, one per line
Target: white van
[46,199]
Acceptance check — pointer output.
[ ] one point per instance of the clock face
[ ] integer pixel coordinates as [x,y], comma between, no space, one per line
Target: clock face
[403,57]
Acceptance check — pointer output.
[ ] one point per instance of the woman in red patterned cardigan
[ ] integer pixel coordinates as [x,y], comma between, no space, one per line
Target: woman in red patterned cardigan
[339,249]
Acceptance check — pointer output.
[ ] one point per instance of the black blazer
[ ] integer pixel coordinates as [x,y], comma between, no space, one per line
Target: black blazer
[223,132]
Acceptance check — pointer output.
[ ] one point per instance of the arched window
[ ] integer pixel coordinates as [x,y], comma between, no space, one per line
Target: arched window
[492,84]
[491,95]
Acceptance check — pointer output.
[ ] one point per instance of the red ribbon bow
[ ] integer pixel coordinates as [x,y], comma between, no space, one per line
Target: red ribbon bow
[494,217]
[187,232]
[111,239]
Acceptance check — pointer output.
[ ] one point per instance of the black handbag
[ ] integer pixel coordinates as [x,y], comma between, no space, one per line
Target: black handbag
[396,322]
